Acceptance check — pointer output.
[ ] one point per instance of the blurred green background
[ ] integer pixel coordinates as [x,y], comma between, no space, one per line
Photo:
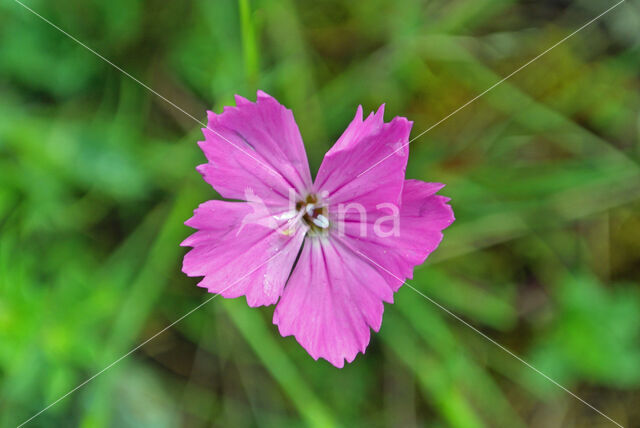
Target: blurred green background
[97,176]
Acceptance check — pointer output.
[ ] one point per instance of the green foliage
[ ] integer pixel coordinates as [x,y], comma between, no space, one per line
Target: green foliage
[593,335]
[97,176]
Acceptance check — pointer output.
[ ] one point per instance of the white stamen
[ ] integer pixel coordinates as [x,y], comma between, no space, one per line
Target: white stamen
[321,221]
[309,209]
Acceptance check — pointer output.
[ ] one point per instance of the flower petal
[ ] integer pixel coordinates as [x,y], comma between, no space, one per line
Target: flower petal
[331,300]
[422,217]
[358,150]
[240,251]
[255,146]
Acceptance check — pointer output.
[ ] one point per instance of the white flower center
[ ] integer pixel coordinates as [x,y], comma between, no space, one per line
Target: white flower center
[314,214]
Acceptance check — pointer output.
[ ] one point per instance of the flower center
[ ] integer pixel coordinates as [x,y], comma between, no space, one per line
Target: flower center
[314,213]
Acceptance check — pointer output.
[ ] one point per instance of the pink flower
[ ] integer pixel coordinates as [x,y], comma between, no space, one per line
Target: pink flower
[329,252]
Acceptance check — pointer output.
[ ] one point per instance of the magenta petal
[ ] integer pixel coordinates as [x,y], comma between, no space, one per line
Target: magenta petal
[238,254]
[423,216]
[331,300]
[255,146]
[362,146]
